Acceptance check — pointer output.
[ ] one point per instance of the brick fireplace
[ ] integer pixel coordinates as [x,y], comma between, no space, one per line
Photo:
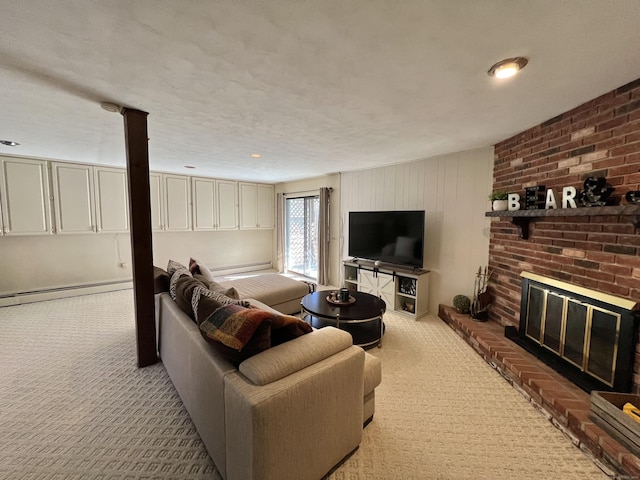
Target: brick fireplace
[599,251]
[600,138]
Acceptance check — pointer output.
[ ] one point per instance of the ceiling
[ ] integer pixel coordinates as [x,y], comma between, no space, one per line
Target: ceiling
[315,87]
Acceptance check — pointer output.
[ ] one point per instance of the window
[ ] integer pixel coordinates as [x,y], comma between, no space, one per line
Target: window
[301,244]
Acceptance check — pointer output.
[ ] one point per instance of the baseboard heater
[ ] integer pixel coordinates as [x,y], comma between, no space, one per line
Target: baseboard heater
[19,298]
[248,267]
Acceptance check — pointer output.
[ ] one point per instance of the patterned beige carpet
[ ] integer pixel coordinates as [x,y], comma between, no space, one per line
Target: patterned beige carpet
[73,405]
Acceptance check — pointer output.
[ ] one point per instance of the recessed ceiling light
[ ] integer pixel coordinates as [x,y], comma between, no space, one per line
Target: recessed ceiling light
[9,143]
[508,67]
[255,155]
[110,107]
[189,166]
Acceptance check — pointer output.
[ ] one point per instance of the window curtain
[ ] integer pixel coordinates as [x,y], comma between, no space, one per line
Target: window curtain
[280,232]
[323,236]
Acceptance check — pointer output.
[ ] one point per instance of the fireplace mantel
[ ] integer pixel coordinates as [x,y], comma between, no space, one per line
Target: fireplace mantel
[521,218]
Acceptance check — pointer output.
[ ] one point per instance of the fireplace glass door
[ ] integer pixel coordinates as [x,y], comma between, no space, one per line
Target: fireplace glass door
[582,334]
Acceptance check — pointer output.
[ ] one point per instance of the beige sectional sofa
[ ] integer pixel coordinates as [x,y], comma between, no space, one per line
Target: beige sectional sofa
[294,411]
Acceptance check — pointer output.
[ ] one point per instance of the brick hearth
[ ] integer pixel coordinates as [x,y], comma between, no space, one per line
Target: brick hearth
[562,402]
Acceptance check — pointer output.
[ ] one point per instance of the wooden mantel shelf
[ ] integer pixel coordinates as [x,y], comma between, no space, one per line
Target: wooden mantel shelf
[521,218]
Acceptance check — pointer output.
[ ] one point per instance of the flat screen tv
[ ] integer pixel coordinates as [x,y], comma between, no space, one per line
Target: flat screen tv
[395,237]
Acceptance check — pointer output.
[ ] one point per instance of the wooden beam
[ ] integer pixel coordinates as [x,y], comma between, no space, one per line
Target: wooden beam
[136,145]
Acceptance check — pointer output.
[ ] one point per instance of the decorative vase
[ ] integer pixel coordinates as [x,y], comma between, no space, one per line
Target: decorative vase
[499,205]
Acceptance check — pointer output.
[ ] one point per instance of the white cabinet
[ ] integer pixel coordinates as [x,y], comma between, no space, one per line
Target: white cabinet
[112,204]
[170,202]
[378,284]
[25,197]
[404,290]
[157,202]
[73,193]
[177,196]
[227,195]
[412,294]
[257,205]
[215,204]
[204,204]
[266,206]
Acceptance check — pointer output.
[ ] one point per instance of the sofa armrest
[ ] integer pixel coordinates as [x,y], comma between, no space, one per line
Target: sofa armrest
[290,357]
[299,426]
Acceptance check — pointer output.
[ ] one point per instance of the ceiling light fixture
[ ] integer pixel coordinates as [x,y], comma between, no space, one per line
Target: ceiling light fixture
[9,143]
[508,67]
[110,107]
[189,166]
[255,155]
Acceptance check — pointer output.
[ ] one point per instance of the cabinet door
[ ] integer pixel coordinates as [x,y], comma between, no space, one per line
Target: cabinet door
[248,206]
[157,203]
[177,204]
[266,206]
[227,196]
[386,289]
[367,283]
[112,205]
[204,203]
[73,198]
[25,197]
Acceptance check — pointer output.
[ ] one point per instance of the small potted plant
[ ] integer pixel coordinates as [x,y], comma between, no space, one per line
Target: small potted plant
[461,303]
[499,200]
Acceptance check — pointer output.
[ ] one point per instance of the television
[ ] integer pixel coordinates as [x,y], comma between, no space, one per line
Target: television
[395,237]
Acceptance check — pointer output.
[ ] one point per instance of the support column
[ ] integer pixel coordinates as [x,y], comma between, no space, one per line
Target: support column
[136,145]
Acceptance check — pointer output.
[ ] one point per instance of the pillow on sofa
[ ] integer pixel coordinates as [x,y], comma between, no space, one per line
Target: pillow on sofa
[216,287]
[196,266]
[185,286]
[176,270]
[173,266]
[204,302]
[161,280]
[239,333]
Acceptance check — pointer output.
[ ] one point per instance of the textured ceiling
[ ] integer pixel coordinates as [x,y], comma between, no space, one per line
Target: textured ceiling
[314,86]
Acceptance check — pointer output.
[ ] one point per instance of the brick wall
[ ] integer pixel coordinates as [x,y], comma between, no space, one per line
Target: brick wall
[598,138]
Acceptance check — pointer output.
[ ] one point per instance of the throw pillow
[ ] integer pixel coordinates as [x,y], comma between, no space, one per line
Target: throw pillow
[172,266]
[204,302]
[196,266]
[161,280]
[185,286]
[216,287]
[176,270]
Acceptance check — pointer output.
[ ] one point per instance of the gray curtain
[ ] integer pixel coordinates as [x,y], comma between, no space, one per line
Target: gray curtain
[323,236]
[280,232]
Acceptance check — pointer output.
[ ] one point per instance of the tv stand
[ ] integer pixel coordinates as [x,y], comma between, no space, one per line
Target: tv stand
[404,289]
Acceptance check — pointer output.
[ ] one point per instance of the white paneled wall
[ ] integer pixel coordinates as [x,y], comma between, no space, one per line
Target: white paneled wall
[453,191]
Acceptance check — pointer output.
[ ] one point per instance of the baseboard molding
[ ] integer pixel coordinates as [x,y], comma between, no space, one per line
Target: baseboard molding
[20,298]
[249,267]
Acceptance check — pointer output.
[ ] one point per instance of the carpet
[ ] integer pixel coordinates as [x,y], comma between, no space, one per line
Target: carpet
[74,405]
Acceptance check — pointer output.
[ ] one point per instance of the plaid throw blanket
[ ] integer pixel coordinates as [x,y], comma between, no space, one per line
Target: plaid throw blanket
[239,332]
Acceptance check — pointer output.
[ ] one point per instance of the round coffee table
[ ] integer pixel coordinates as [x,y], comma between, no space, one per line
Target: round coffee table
[362,318]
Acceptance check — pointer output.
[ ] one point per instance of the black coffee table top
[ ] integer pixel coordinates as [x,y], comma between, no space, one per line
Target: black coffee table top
[365,306]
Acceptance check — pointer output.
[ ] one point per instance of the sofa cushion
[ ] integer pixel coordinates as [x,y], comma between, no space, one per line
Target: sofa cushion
[272,365]
[239,333]
[270,288]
